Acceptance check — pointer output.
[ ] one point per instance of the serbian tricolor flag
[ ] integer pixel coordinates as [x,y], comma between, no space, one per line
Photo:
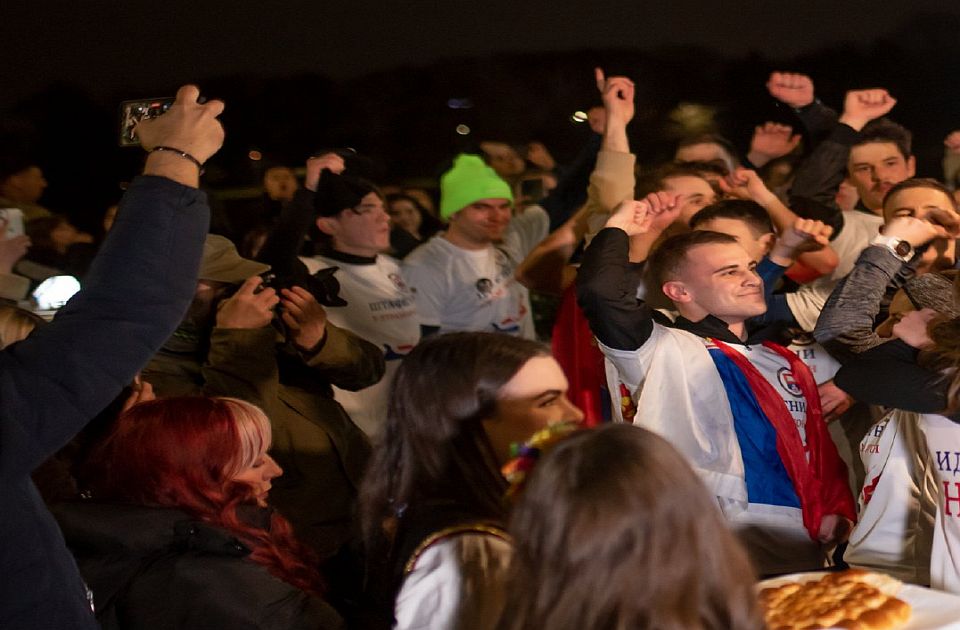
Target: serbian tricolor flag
[778,468]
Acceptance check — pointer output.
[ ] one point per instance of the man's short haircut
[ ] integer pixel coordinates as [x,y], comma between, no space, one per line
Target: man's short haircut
[885,130]
[705,167]
[656,180]
[711,138]
[750,212]
[670,256]
[921,182]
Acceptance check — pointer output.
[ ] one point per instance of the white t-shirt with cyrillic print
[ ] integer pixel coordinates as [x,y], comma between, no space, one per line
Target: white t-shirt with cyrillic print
[380,308]
[475,290]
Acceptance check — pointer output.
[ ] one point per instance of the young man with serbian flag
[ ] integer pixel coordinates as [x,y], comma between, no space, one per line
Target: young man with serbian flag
[742,408]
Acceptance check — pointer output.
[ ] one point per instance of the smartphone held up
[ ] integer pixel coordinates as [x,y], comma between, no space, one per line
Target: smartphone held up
[132,112]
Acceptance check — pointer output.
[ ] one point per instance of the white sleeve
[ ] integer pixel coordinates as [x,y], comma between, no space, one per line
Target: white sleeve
[527,228]
[428,292]
[456,583]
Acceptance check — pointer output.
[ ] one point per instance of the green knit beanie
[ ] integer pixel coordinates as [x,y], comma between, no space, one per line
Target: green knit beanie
[469,180]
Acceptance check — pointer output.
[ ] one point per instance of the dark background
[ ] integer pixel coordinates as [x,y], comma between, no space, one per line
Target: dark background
[299,76]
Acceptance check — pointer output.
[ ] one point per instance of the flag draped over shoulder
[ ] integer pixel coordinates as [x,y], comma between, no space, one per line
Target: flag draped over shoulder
[779,469]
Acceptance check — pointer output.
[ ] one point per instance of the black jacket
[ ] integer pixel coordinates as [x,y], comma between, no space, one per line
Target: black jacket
[53,383]
[159,569]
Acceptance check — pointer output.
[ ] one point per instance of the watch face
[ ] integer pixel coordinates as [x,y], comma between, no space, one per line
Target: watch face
[903,248]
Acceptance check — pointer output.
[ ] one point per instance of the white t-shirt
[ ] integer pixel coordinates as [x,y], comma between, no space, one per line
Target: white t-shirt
[859,229]
[897,505]
[823,366]
[380,308]
[475,290]
[943,444]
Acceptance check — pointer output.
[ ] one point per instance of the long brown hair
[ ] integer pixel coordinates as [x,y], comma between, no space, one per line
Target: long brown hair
[615,531]
[434,446]
[183,453]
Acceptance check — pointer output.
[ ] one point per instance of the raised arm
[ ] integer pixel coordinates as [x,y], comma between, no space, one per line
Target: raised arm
[746,184]
[135,294]
[846,324]
[607,282]
[796,91]
[771,141]
[819,177]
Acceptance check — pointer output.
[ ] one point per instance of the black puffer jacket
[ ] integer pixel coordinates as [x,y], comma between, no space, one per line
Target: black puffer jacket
[160,569]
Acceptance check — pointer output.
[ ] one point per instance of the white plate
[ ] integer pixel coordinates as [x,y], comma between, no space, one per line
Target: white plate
[932,610]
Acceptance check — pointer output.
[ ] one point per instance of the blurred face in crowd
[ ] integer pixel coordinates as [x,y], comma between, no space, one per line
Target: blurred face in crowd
[534,398]
[27,186]
[482,222]
[503,159]
[259,476]
[705,152]
[361,231]
[695,192]
[875,168]
[932,205]
[404,214]
[423,197]
[757,245]
[718,279]
[280,183]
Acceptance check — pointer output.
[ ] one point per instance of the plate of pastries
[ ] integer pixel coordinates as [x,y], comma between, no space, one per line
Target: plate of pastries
[855,599]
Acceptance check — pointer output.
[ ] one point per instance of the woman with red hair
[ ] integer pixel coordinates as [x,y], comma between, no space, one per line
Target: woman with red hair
[179,534]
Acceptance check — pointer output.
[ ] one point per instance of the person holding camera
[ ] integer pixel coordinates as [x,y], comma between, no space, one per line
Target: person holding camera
[57,380]
[275,348]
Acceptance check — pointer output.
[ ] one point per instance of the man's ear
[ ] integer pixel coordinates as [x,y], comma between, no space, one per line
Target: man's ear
[767,240]
[327,225]
[911,166]
[676,291]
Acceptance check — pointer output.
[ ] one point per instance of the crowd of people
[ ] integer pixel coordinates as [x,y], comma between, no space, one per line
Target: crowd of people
[333,409]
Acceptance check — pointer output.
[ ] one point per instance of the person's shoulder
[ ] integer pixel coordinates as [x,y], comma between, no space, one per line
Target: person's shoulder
[388,262]
[428,253]
[459,546]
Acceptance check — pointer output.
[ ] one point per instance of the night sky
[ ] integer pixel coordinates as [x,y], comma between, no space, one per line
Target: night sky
[302,75]
[108,45]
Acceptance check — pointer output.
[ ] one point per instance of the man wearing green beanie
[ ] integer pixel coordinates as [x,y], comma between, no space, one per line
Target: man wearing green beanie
[464,278]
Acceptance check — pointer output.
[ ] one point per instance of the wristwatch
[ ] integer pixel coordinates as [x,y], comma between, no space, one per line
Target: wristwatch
[899,247]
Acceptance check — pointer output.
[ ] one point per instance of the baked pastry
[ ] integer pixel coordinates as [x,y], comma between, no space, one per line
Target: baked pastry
[854,599]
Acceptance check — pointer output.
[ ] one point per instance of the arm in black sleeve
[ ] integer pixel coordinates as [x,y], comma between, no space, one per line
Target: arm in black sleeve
[607,292]
[285,239]
[571,190]
[136,292]
[889,375]
[818,119]
[818,177]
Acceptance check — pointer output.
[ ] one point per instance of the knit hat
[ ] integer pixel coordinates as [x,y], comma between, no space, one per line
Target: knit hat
[469,180]
[336,193]
[222,263]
